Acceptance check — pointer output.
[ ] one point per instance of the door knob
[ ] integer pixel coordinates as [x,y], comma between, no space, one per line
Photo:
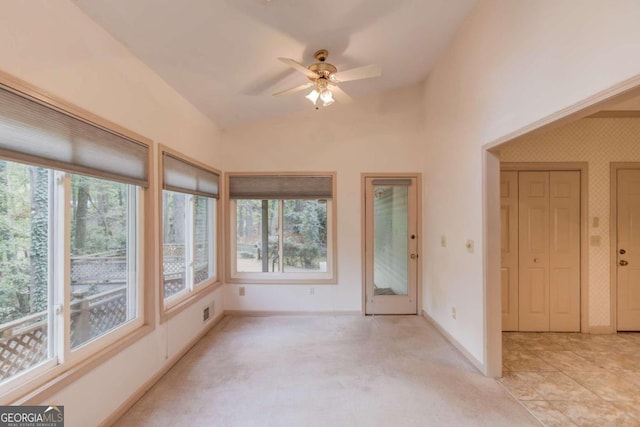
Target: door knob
[623,262]
[622,252]
[414,256]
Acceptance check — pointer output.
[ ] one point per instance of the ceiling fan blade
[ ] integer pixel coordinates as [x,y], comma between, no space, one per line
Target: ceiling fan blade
[299,67]
[340,95]
[365,72]
[294,89]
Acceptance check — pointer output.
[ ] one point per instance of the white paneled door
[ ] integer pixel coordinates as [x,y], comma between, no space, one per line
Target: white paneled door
[546,275]
[391,245]
[509,248]
[628,249]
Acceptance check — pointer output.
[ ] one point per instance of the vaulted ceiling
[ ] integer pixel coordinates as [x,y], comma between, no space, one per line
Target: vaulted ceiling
[221,55]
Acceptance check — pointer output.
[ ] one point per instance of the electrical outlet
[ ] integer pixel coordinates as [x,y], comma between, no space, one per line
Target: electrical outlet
[205,314]
[443,241]
[453,312]
[312,291]
[241,291]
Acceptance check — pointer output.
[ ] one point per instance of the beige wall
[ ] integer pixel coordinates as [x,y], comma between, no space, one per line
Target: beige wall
[598,142]
[378,134]
[513,63]
[51,44]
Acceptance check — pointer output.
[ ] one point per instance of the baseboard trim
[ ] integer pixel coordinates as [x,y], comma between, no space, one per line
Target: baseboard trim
[266,313]
[137,395]
[597,330]
[475,362]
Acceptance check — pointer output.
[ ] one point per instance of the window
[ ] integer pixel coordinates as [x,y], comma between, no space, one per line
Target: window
[189,212]
[70,281]
[281,228]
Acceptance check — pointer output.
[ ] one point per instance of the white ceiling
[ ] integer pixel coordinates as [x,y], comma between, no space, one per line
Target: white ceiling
[221,54]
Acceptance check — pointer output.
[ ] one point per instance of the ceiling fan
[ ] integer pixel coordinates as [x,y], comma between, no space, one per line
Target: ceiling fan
[324,79]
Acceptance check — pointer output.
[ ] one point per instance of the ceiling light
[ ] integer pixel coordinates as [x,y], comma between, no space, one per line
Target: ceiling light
[313,96]
[327,98]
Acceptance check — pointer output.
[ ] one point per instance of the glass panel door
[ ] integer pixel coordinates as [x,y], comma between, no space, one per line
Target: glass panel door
[390,239]
[391,242]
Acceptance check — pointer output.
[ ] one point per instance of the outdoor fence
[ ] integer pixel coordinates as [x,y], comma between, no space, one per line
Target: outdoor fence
[24,342]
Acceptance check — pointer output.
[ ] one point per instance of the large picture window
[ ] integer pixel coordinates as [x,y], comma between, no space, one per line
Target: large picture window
[281,228]
[189,217]
[70,277]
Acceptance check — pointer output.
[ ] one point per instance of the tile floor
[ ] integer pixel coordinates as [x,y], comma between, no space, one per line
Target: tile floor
[326,371]
[568,379]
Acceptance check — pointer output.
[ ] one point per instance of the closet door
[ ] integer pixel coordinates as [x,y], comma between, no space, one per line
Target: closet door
[533,228]
[564,251]
[509,249]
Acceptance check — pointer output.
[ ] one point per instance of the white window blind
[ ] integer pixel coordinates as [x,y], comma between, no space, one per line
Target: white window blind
[263,187]
[184,177]
[34,133]
[392,181]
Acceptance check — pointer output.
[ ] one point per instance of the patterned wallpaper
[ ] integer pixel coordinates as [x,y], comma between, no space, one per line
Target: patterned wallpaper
[598,141]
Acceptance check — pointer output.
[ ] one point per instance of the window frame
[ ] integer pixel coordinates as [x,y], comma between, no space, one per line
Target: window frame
[328,277]
[45,379]
[195,291]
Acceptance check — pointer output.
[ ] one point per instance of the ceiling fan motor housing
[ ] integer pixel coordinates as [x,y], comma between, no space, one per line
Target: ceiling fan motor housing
[323,69]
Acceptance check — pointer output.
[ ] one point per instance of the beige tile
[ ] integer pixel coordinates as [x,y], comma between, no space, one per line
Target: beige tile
[612,360]
[631,408]
[519,385]
[547,414]
[525,361]
[567,361]
[612,386]
[534,341]
[595,414]
[556,386]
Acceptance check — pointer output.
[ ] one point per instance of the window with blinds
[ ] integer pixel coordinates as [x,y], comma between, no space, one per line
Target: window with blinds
[189,217]
[281,227]
[71,233]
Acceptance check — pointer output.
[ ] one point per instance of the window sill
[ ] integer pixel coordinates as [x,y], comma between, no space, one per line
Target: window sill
[188,300]
[283,280]
[41,388]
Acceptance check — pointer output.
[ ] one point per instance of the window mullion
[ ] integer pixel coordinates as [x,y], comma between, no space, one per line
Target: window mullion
[62,265]
[189,242]
[211,236]
[280,236]
[133,272]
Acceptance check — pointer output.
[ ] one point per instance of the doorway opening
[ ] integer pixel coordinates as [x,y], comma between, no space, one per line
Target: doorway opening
[566,136]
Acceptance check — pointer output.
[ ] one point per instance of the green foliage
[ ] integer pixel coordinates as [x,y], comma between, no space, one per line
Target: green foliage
[99,225]
[304,230]
[24,200]
[99,221]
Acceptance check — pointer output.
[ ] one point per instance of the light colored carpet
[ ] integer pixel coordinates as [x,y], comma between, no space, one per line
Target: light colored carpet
[326,371]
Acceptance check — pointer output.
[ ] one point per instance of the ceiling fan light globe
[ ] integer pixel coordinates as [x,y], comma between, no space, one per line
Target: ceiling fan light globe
[327,103]
[327,97]
[313,96]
